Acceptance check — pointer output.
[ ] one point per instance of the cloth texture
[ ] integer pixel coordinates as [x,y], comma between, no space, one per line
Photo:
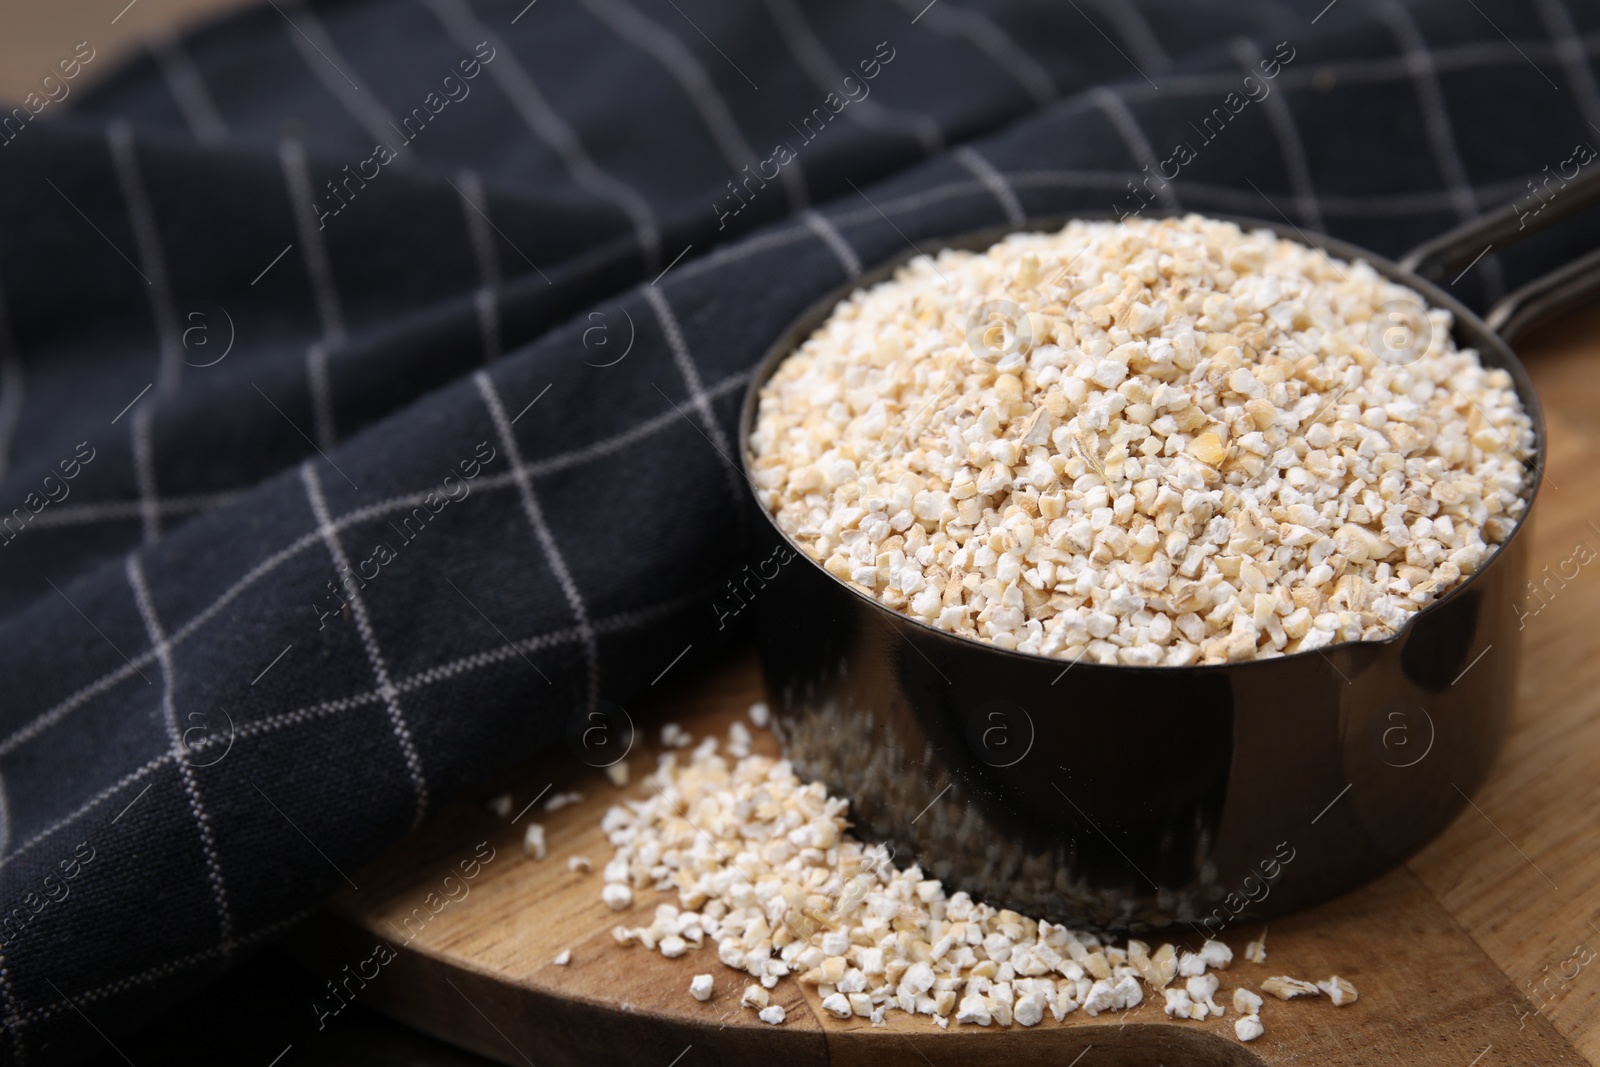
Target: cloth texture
[369,372]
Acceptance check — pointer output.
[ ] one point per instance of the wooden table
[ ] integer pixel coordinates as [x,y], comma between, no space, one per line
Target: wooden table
[1445,950]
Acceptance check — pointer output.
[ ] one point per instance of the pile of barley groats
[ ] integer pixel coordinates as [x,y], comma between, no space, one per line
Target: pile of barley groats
[1148,442]
[766,874]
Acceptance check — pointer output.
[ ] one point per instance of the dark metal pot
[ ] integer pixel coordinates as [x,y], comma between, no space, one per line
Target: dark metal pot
[1129,798]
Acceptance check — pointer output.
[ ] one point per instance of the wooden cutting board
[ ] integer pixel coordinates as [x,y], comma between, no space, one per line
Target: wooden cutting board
[1473,954]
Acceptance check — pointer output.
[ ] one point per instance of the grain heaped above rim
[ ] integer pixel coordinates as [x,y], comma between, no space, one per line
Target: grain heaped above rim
[1153,442]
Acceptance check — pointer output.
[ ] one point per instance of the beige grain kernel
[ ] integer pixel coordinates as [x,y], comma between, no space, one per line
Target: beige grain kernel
[1286,988]
[1339,990]
[1207,448]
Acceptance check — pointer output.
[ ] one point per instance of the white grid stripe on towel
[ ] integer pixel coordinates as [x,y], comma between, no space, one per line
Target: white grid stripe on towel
[322,58]
[818,224]
[147,238]
[1574,61]
[633,26]
[1134,30]
[813,58]
[992,180]
[144,472]
[487,306]
[188,89]
[169,710]
[122,510]
[380,670]
[1281,117]
[1126,124]
[520,89]
[321,398]
[541,532]
[302,202]
[987,37]
[1435,115]
[475,210]
[697,392]
[1436,121]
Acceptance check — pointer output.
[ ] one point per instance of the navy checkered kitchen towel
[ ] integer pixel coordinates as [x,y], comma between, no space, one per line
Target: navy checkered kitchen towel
[368,370]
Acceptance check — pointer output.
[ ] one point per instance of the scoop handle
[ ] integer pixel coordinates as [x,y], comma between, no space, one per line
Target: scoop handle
[1450,254]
